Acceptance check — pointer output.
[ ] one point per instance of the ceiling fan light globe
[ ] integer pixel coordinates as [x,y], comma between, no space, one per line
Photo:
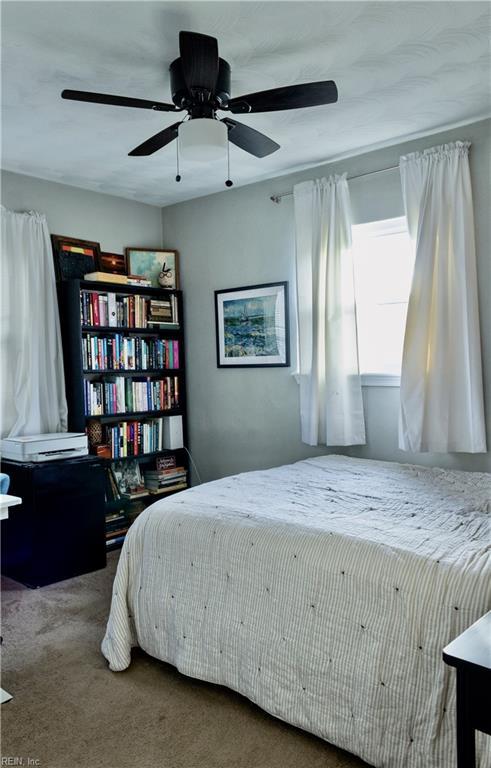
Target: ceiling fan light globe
[203,139]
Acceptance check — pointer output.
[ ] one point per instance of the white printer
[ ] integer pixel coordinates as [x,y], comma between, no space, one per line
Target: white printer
[60,445]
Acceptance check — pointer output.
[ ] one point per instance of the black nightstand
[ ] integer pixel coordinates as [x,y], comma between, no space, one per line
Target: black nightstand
[59,529]
[470,654]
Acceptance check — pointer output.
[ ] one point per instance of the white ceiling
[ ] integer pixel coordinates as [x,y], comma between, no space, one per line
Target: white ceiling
[401,68]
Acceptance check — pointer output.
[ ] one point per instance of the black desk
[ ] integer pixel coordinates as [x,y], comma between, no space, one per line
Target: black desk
[470,654]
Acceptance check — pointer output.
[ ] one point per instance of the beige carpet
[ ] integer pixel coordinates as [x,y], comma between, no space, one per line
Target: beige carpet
[70,711]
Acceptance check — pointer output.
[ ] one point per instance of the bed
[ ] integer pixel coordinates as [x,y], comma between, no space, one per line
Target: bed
[323,591]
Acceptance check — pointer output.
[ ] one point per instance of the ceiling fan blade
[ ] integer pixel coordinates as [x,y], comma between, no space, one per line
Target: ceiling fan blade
[118,101]
[199,58]
[156,142]
[250,140]
[289,97]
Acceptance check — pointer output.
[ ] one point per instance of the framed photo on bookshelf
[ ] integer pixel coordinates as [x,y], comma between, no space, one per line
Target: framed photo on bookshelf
[252,326]
[74,258]
[161,267]
[128,476]
[115,263]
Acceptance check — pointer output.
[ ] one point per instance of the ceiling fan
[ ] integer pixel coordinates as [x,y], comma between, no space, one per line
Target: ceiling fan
[200,85]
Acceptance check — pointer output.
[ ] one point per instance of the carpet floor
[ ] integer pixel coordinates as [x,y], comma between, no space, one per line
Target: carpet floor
[70,711]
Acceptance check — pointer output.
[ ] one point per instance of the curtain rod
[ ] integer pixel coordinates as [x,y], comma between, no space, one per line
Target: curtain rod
[278,198]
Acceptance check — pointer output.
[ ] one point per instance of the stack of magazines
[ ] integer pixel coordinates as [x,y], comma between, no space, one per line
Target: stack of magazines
[165,480]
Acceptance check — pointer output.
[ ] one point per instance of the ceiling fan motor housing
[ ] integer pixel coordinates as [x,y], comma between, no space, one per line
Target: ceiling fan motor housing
[205,102]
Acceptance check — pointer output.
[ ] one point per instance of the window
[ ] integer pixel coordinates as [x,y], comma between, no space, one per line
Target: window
[383,265]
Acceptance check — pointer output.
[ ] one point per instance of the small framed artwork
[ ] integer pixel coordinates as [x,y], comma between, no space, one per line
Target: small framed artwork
[74,258]
[115,263]
[252,326]
[159,266]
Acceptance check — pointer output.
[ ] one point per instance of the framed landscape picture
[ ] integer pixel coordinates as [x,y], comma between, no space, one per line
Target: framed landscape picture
[252,326]
[159,266]
[74,258]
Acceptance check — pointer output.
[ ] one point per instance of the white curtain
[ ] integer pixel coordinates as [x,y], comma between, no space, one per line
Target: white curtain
[32,380]
[331,404]
[441,383]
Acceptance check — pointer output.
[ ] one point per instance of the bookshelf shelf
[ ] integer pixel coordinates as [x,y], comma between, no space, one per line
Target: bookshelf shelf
[132,415]
[154,495]
[147,456]
[155,331]
[80,300]
[123,290]
[133,372]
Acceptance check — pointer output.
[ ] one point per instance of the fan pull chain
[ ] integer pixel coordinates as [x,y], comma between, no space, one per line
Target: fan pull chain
[228,183]
[178,175]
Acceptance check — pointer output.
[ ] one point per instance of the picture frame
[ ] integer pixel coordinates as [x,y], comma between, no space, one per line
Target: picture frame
[113,263]
[252,326]
[159,265]
[73,257]
[128,476]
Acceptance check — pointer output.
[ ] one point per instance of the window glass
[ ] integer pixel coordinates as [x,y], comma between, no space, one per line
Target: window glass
[383,266]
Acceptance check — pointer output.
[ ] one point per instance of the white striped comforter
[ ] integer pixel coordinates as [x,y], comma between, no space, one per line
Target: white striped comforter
[324,591]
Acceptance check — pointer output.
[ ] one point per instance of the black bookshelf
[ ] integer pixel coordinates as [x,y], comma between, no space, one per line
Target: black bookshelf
[74,331]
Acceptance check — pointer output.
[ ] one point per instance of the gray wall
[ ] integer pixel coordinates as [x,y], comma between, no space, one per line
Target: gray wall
[246,419]
[111,221]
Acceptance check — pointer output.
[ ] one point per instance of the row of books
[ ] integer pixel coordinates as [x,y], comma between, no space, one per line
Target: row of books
[120,311]
[128,353]
[118,394]
[134,438]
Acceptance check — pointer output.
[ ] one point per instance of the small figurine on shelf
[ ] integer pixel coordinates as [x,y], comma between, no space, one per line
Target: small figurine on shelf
[166,277]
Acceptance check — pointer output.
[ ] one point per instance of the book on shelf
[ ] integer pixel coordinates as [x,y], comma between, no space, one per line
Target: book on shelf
[110,309]
[135,494]
[111,534]
[117,524]
[115,518]
[162,474]
[152,485]
[169,489]
[106,277]
[128,353]
[165,462]
[143,282]
[115,542]
[165,474]
[120,394]
[163,326]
